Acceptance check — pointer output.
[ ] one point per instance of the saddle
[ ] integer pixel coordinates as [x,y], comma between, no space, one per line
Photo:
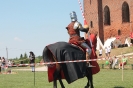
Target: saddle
[80,47]
[75,44]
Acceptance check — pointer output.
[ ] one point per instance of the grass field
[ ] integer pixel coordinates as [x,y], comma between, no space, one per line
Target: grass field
[106,78]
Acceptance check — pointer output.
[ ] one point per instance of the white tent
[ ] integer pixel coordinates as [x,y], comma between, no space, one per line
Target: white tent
[127,41]
[99,44]
[108,42]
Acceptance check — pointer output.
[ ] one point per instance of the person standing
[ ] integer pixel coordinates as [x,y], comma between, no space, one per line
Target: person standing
[3,64]
[32,61]
[100,52]
[106,52]
[109,50]
[115,62]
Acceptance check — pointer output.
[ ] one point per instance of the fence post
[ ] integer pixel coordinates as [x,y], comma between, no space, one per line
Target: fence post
[102,66]
[132,66]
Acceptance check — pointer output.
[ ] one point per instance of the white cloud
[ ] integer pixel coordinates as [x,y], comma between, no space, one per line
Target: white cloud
[18,39]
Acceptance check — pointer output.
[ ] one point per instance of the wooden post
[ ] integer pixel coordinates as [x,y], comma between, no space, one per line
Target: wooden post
[122,71]
[102,66]
[132,66]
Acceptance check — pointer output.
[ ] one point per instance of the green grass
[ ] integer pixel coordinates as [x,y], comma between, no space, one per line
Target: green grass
[106,78]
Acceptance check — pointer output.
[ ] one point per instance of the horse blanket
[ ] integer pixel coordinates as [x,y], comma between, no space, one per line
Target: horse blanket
[63,51]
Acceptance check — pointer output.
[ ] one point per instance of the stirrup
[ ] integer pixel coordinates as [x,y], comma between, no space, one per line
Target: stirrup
[90,65]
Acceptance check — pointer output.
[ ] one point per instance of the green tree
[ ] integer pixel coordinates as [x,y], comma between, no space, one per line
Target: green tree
[21,56]
[16,58]
[25,56]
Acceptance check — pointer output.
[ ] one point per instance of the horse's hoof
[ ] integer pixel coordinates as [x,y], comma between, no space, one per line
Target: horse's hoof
[86,87]
[92,87]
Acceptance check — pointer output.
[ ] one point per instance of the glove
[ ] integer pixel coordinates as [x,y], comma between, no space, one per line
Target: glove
[86,27]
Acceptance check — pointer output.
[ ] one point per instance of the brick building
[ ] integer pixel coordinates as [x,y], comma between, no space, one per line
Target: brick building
[111,18]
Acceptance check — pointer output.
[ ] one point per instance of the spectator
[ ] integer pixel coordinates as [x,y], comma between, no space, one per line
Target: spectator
[115,62]
[100,52]
[32,61]
[123,62]
[106,52]
[0,64]
[110,62]
[9,63]
[3,63]
[109,50]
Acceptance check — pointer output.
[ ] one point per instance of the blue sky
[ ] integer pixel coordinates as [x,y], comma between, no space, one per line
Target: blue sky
[30,25]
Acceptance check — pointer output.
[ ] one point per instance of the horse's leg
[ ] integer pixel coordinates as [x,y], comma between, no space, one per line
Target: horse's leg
[55,79]
[87,85]
[60,80]
[57,75]
[89,78]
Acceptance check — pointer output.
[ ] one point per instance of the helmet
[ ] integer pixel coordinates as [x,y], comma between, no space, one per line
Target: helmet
[73,16]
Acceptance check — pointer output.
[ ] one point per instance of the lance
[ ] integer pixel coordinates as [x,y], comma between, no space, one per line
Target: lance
[85,22]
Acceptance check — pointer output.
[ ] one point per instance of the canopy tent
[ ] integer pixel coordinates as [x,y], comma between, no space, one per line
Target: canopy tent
[108,42]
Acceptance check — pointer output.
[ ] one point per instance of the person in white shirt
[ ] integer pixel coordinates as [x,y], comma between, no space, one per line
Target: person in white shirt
[100,52]
[109,50]
[106,52]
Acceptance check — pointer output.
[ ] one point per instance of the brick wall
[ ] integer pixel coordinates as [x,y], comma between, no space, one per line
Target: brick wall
[93,10]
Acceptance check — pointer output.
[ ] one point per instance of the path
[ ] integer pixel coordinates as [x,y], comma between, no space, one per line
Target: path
[44,68]
[128,54]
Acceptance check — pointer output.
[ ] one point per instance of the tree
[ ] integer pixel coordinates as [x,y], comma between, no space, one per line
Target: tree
[21,56]
[25,56]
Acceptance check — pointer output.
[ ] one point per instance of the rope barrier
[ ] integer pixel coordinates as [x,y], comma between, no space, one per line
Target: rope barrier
[76,61]
[73,61]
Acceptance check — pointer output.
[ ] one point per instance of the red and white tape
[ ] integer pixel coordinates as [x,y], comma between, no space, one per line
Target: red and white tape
[81,9]
[85,22]
[73,61]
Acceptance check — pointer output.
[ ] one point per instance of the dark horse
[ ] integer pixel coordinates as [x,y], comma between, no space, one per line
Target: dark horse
[62,51]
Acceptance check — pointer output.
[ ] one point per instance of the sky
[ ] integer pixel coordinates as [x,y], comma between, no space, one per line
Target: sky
[30,25]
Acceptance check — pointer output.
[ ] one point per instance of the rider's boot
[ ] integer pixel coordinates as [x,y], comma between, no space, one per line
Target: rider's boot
[88,58]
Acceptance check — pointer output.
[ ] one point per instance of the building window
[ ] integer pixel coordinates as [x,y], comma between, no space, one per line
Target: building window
[125,12]
[106,15]
[119,32]
[91,24]
[90,2]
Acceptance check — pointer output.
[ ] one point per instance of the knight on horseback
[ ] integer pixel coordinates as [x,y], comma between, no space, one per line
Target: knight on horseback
[64,51]
[74,29]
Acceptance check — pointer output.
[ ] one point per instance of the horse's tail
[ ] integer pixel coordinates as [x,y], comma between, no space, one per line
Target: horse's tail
[47,55]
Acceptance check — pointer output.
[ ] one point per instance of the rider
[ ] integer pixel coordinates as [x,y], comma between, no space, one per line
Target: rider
[74,29]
